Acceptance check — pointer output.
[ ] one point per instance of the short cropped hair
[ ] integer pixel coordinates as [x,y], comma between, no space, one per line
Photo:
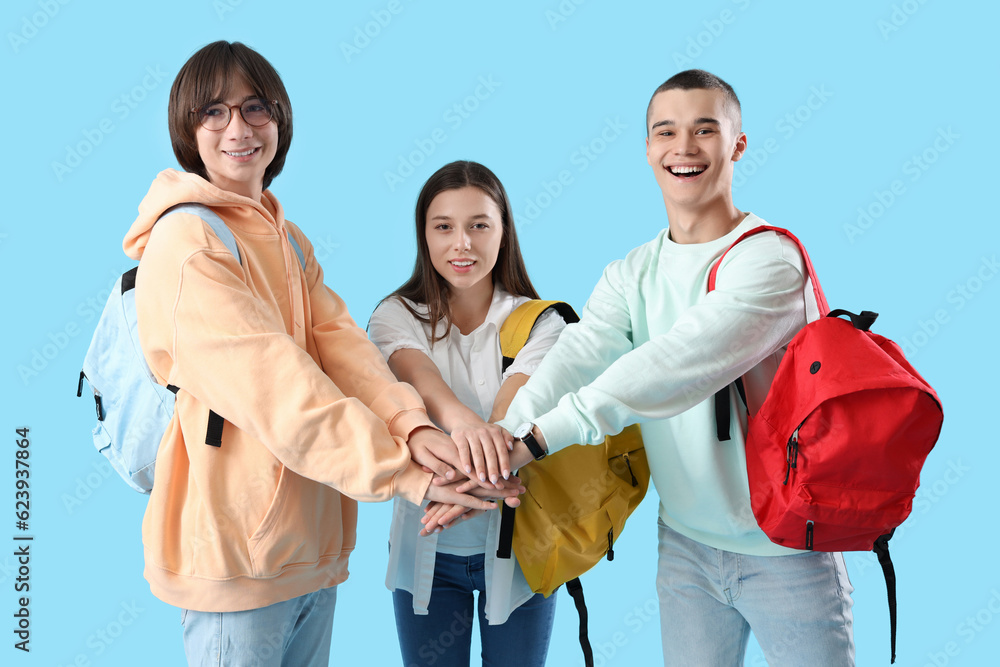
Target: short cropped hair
[699,79]
[208,77]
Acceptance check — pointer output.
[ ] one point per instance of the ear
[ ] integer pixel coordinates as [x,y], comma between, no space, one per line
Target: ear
[647,152]
[741,147]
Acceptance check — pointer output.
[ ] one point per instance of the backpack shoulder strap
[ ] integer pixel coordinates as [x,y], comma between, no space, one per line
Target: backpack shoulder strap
[298,250]
[517,327]
[821,303]
[216,224]
[216,423]
[722,409]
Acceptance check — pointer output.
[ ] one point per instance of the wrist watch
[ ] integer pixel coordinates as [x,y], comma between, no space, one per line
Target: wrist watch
[524,434]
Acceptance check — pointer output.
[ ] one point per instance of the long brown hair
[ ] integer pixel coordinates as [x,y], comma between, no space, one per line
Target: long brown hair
[425,285]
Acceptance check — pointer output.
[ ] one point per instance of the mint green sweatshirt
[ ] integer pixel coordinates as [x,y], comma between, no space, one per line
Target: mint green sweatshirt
[653,346]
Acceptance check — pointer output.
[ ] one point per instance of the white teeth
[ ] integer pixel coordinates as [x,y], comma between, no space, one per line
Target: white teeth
[686,169]
[243,154]
[463,263]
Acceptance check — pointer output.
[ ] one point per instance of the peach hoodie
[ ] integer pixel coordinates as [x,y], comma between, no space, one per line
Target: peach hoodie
[311,409]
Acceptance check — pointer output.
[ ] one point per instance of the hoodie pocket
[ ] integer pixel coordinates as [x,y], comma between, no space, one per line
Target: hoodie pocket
[261,542]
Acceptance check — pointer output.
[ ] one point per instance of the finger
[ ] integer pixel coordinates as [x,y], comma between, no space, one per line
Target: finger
[467,486]
[512,501]
[443,514]
[472,502]
[490,457]
[503,461]
[429,510]
[509,492]
[462,444]
[437,466]
[447,517]
[478,462]
[429,525]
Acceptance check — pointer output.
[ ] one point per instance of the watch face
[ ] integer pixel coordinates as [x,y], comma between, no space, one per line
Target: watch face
[523,430]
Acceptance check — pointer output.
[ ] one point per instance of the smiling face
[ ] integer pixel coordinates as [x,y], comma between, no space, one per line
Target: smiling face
[464,233]
[235,157]
[693,144]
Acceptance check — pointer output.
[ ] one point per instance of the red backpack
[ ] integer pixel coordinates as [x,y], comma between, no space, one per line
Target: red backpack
[834,453]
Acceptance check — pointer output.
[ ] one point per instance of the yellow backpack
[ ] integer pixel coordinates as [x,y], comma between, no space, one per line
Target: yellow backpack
[578,498]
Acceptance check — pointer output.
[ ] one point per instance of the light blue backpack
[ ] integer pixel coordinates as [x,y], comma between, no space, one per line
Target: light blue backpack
[133,409]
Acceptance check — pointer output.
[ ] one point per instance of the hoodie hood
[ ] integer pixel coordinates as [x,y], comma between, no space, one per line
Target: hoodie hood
[173,187]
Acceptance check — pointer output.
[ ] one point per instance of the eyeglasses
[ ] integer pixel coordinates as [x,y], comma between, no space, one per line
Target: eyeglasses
[215,117]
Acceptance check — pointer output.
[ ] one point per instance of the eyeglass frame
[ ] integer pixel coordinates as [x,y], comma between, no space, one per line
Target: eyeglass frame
[230,107]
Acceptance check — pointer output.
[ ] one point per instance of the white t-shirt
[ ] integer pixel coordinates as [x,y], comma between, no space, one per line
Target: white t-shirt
[471,366]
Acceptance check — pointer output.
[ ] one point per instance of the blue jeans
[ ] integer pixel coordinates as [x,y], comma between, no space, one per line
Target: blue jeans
[443,637]
[798,606]
[294,632]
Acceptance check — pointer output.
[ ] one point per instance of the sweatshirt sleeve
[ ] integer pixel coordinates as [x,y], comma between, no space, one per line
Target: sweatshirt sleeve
[756,308]
[216,340]
[582,352]
[354,363]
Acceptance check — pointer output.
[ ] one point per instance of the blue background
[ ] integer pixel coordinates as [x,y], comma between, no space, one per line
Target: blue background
[869,128]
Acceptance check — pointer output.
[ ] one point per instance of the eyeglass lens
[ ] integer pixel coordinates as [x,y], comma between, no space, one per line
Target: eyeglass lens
[255,112]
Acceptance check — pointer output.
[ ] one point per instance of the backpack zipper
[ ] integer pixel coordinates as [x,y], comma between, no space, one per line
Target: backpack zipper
[635,482]
[791,454]
[611,544]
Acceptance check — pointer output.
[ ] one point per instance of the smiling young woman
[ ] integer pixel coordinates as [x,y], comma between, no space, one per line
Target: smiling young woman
[440,332]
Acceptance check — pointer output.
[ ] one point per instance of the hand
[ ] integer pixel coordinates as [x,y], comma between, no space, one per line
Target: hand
[438,515]
[435,451]
[441,516]
[484,446]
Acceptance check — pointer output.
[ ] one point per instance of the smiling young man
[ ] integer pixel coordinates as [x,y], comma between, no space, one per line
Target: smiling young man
[653,346]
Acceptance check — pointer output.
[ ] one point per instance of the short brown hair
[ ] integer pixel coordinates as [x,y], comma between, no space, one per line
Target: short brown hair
[207,77]
[426,285]
[699,79]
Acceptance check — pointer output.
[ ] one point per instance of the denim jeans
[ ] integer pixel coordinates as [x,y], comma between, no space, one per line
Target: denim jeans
[294,632]
[443,637]
[798,606]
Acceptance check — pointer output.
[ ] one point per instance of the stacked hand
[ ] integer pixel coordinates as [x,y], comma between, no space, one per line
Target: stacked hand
[439,515]
[472,465]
